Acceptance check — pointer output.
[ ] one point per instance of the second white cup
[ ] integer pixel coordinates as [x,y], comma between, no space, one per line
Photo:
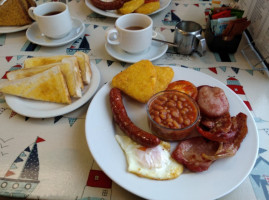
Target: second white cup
[133,33]
[53,19]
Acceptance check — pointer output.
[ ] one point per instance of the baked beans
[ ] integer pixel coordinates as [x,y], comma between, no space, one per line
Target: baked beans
[173,110]
[172,114]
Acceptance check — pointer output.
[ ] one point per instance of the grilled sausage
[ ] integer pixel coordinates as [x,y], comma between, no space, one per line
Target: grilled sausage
[126,125]
[108,5]
[212,101]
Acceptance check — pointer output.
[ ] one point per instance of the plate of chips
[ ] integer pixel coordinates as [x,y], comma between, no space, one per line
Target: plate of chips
[114,14]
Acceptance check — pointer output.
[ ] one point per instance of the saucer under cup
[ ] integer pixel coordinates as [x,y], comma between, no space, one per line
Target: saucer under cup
[53,19]
[34,35]
[133,33]
[155,51]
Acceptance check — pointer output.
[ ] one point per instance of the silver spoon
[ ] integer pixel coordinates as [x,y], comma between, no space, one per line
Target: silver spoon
[166,42]
[173,45]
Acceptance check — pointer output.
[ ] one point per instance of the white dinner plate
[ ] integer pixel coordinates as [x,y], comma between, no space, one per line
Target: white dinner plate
[223,176]
[34,35]
[156,50]
[114,14]
[41,109]
[13,29]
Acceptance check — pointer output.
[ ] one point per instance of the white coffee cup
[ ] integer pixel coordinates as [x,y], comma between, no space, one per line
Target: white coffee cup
[133,33]
[53,19]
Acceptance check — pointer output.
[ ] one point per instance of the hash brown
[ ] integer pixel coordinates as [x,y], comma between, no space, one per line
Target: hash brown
[138,81]
[142,80]
[164,77]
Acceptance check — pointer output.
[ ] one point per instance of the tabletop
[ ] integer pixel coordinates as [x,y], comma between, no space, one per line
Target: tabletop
[63,167]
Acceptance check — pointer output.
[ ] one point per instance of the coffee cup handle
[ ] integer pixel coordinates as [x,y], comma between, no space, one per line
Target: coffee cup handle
[31,12]
[112,37]
[154,34]
[201,49]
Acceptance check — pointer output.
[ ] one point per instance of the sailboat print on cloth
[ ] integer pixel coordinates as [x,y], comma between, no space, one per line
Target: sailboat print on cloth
[21,178]
[80,44]
[171,19]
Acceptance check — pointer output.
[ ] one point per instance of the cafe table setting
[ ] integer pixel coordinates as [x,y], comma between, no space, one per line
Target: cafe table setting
[58,151]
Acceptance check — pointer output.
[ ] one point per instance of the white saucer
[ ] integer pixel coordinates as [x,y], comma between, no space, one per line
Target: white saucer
[13,29]
[156,50]
[34,35]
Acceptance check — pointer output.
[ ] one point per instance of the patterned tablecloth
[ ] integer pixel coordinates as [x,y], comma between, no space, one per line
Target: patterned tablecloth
[62,166]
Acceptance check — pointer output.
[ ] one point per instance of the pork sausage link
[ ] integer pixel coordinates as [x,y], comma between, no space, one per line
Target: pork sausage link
[212,101]
[111,5]
[126,125]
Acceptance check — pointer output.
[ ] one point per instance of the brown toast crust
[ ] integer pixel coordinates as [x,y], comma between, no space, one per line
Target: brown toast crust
[15,12]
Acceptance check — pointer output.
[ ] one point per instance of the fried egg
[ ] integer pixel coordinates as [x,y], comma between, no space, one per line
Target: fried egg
[154,163]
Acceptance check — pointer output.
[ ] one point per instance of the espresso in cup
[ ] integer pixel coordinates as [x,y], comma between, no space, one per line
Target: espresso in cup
[134,28]
[52,13]
[133,33]
[53,19]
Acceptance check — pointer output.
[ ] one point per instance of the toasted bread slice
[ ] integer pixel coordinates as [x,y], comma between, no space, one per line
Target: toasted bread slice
[32,3]
[69,72]
[85,66]
[45,86]
[72,77]
[72,60]
[82,59]
[38,61]
[23,73]
[25,4]
[15,12]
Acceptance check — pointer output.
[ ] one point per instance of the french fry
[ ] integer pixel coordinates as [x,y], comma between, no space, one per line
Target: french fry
[131,6]
[148,8]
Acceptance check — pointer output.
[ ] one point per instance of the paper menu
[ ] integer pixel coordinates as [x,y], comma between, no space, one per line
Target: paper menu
[257,11]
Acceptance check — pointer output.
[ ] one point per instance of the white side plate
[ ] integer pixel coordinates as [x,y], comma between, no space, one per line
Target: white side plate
[13,29]
[41,109]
